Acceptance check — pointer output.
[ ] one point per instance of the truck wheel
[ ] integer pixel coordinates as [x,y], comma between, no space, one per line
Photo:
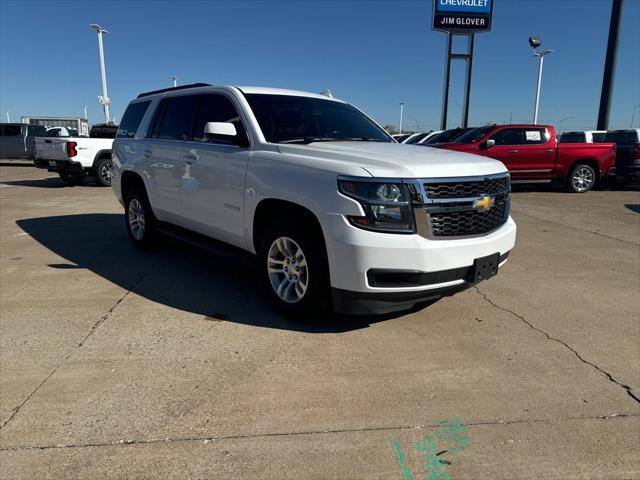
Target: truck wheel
[582,178]
[72,179]
[293,267]
[139,218]
[103,172]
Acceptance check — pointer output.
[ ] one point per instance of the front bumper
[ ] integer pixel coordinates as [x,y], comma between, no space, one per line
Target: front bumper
[431,268]
[59,165]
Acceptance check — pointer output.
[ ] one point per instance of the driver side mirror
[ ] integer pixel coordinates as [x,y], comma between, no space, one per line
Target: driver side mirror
[487,144]
[220,128]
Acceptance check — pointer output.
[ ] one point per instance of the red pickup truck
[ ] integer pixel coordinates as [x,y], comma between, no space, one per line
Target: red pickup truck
[533,155]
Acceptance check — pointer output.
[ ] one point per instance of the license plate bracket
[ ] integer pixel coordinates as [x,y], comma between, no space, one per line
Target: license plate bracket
[485,267]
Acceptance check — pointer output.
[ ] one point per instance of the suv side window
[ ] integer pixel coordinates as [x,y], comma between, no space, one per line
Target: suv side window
[131,120]
[218,108]
[176,118]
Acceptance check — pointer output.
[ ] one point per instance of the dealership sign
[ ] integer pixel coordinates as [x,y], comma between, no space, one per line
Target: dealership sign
[462,16]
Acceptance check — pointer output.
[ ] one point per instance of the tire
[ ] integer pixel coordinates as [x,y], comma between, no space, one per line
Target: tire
[72,179]
[138,218]
[293,268]
[582,178]
[102,172]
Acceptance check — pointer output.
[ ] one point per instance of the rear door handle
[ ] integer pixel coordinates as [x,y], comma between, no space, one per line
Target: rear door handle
[190,159]
[147,153]
[513,151]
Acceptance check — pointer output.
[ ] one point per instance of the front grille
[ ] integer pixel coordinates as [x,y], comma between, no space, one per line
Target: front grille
[466,189]
[468,222]
[451,209]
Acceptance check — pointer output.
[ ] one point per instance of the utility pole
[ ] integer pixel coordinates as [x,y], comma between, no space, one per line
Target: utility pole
[401,115]
[175,80]
[104,100]
[610,66]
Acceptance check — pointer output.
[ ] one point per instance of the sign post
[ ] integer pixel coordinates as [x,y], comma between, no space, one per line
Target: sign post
[463,18]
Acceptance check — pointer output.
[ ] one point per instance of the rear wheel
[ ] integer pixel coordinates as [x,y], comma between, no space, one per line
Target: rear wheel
[72,179]
[103,172]
[582,178]
[293,267]
[139,218]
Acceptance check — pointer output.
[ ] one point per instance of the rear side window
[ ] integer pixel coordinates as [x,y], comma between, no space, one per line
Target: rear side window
[622,137]
[532,136]
[573,137]
[175,122]
[216,108]
[11,130]
[131,120]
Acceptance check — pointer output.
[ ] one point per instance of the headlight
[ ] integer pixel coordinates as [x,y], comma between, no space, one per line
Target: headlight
[386,204]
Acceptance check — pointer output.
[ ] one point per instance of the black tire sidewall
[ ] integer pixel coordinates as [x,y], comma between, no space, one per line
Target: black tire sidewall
[149,219]
[96,173]
[572,173]
[316,298]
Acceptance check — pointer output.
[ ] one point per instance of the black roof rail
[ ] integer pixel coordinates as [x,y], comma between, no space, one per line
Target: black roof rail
[171,89]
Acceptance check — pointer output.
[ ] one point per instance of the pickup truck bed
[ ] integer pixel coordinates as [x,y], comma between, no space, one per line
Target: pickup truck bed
[73,158]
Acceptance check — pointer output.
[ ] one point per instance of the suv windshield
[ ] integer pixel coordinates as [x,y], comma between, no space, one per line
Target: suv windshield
[292,119]
[473,135]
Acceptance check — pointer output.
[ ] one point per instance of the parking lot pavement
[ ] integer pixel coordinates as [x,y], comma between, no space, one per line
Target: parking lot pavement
[170,364]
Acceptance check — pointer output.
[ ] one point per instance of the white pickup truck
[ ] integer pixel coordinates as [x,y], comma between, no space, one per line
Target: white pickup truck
[335,211]
[73,158]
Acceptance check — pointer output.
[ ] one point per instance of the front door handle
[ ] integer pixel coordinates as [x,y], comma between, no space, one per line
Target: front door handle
[549,150]
[513,151]
[147,153]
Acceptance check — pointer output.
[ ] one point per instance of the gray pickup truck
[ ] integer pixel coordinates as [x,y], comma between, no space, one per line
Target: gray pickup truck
[17,140]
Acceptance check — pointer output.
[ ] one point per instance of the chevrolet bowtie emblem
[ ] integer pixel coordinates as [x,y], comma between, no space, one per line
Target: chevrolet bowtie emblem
[484,203]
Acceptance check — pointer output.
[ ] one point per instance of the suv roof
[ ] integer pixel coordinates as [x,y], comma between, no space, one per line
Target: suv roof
[243,89]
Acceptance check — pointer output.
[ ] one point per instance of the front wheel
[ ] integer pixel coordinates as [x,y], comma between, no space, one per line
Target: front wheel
[103,172]
[582,178]
[294,269]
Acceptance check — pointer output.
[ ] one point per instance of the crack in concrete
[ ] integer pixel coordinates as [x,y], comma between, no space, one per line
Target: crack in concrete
[309,432]
[95,326]
[609,376]
[571,227]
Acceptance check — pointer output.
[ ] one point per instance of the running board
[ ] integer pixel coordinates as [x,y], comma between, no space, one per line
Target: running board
[531,181]
[207,244]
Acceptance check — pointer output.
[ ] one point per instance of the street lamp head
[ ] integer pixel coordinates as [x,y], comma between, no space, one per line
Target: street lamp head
[98,28]
[534,41]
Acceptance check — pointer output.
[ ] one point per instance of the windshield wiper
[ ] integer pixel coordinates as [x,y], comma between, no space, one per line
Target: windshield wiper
[306,140]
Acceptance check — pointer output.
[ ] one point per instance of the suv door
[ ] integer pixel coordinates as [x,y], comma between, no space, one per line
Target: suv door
[162,155]
[213,182]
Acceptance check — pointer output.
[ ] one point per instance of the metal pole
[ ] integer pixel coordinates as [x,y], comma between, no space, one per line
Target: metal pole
[401,114]
[103,71]
[85,112]
[8,118]
[540,65]
[633,115]
[175,80]
[445,96]
[610,66]
[467,82]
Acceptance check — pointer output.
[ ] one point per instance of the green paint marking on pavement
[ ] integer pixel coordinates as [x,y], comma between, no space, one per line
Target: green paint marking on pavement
[452,434]
[406,473]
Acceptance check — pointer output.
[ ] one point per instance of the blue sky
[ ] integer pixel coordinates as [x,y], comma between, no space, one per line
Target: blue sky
[373,54]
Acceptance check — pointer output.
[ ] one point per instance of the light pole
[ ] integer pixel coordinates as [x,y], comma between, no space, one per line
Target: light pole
[85,111]
[535,43]
[175,80]
[401,115]
[562,120]
[104,100]
[8,118]
[633,115]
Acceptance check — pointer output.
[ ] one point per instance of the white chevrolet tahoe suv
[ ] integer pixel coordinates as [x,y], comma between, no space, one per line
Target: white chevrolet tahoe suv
[337,213]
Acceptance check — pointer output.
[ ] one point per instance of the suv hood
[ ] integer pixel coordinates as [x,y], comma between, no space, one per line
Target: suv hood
[396,160]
